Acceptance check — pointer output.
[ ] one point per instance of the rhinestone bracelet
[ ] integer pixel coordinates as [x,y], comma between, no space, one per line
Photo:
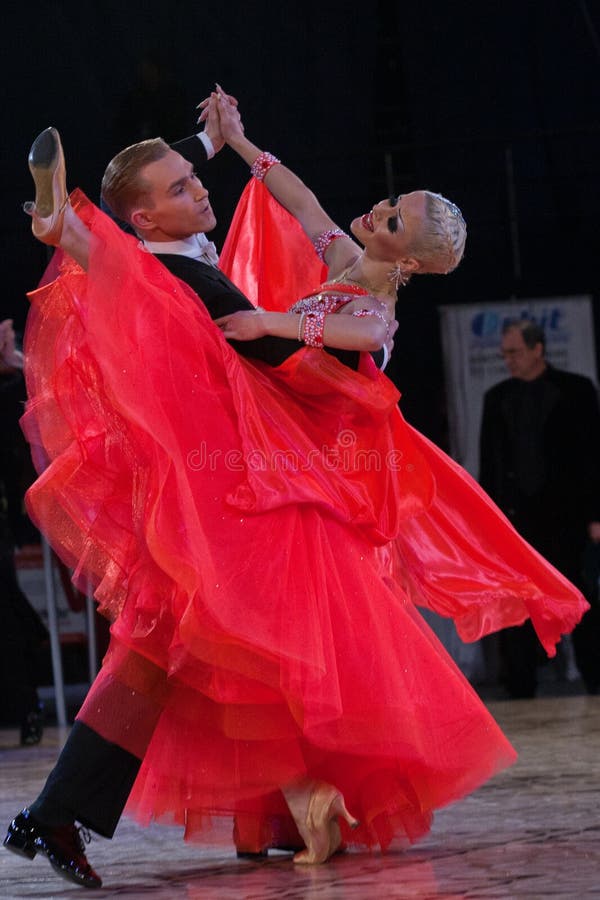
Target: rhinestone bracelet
[313,329]
[301,325]
[262,164]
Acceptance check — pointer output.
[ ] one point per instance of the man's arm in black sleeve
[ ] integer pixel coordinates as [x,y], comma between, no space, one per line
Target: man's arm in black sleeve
[192,149]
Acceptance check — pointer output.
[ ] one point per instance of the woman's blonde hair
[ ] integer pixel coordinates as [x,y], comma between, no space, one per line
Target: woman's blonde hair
[441,244]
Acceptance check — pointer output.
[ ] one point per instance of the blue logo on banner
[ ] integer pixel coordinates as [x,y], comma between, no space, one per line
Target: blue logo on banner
[488,324]
[485,323]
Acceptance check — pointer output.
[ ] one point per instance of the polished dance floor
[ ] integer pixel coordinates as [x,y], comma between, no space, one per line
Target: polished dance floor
[533,831]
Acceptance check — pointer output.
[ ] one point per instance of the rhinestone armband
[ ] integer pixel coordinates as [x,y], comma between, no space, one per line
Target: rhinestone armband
[322,241]
[262,164]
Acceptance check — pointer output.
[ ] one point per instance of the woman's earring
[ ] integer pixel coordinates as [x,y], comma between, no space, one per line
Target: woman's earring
[397,277]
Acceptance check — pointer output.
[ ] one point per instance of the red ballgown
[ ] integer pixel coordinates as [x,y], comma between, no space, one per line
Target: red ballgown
[260,539]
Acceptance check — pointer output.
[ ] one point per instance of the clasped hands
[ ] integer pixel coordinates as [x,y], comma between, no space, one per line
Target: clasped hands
[221,117]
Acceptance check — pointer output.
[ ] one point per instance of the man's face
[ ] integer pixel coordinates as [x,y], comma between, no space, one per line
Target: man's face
[521,361]
[178,203]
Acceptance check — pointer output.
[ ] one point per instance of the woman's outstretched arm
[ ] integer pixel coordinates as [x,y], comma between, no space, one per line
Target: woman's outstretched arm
[287,188]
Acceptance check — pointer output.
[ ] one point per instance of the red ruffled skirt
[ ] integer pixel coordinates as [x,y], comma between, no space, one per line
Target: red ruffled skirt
[259,538]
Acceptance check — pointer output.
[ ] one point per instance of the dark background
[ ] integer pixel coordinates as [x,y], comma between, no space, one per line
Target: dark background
[495,105]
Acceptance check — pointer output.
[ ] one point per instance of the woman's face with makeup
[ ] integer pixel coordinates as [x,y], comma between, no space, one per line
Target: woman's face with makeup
[392,227]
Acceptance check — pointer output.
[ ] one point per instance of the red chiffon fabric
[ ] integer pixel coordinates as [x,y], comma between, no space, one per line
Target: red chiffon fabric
[460,556]
[259,538]
[267,254]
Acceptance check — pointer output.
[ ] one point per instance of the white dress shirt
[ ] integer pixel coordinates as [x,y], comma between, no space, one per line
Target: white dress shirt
[196,246]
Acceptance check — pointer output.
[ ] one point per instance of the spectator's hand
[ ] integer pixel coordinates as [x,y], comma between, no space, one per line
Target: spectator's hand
[594,532]
[10,357]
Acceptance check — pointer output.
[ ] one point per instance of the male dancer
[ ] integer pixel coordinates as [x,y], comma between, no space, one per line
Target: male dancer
[154,189]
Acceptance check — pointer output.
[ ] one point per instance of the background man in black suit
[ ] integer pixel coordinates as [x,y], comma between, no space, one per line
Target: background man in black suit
[540,462]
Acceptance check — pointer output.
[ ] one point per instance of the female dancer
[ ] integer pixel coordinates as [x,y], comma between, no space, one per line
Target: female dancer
[258,537]
[420,232]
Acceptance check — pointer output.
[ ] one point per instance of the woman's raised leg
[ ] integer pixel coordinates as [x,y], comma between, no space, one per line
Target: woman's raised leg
[54,222]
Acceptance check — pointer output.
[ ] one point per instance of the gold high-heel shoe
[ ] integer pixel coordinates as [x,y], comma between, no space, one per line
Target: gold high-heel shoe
[47,165]
[316,807]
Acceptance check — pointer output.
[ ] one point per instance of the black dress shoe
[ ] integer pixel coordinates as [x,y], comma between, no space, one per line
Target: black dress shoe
[252,854]
[275,833]
[62,844]
[257,855]
[32,726]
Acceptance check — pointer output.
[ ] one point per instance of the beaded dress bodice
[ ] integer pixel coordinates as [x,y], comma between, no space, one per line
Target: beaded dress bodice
[332,297]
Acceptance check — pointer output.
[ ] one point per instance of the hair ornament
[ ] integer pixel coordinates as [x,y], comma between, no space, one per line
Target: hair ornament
[453,209]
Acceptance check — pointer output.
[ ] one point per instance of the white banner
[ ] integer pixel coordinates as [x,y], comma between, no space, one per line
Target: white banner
[471,345]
